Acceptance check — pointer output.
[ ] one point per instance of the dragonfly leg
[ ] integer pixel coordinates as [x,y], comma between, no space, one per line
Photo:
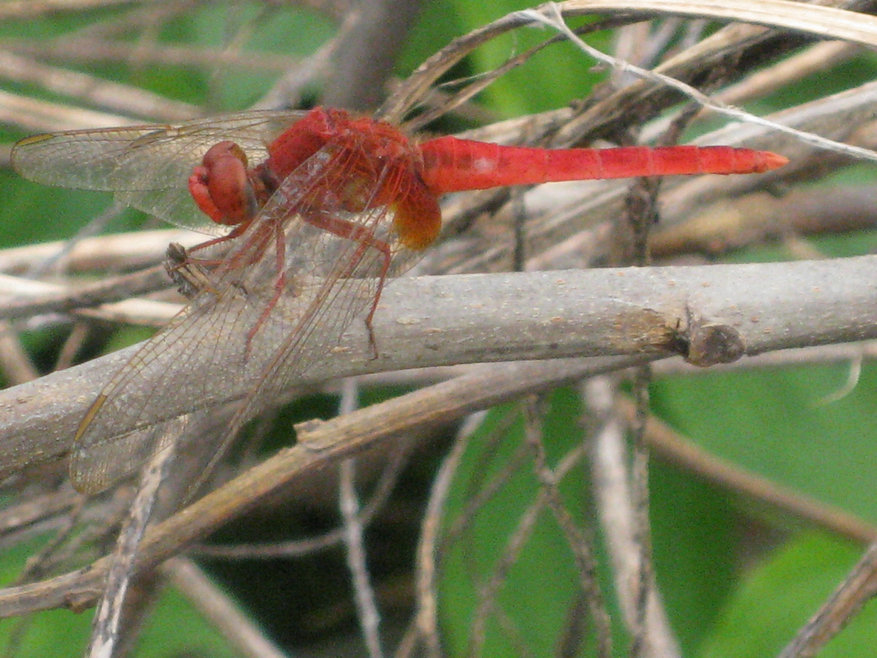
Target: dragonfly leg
[279,282]
[342,228]
[186,273]
[382,279]
[192,275]
[365,238]
[179,258]
[231,235]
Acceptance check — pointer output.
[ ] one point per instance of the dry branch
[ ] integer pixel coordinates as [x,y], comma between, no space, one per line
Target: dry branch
[457,319]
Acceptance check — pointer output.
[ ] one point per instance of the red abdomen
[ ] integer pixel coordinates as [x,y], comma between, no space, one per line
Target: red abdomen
[453,165]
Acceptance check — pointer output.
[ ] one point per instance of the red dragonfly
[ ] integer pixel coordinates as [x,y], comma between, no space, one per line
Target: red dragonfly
[322,207]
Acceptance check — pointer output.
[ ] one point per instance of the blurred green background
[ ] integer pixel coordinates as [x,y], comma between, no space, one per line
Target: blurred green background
[737,579]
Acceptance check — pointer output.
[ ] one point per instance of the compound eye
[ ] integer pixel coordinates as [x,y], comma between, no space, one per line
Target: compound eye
[221,186]
[223,150]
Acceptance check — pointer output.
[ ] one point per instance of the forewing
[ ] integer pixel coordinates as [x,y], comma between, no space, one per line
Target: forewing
[209,354]
[181,370]
[147,166]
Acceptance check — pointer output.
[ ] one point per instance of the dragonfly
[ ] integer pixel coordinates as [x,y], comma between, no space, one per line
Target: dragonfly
[311,213]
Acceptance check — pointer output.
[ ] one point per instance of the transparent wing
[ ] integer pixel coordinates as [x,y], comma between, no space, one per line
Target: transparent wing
[209,354]
[147,166]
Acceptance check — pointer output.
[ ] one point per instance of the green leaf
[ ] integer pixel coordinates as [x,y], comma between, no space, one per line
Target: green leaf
[782,593]
[780,423]
[691,533]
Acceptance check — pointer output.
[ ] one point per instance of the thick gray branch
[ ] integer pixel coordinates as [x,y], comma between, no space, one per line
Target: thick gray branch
[709,314]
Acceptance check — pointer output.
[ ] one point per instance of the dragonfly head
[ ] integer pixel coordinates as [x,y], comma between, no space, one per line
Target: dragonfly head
[221,185]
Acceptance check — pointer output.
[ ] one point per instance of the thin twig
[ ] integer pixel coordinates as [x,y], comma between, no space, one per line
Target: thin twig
[580,545]
[553,18]
[642,534]
[125,99]
[846,601]
[106,624]
[364,595]
[612,483]
[426,620]
[222,611]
